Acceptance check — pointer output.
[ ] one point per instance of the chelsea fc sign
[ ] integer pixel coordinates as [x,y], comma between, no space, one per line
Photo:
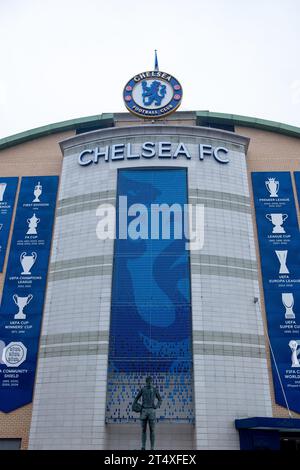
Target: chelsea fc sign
[152,94]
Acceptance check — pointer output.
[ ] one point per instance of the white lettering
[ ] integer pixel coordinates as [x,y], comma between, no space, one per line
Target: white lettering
[205,150]
[194,226]
[106,226]
[181,150]
[131,156]
[140,221]
[85,162]
[146,150]
[117,152]
[164,150]
[166,211]
[99,154]
[217,156]
[123,217]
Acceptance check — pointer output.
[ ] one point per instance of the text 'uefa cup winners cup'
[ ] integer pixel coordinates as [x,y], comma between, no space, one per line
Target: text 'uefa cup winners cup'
[21,303]
[27,261]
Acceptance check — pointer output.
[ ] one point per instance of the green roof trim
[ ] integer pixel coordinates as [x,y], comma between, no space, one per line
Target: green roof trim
[104,120]
[246,121]
[107,120]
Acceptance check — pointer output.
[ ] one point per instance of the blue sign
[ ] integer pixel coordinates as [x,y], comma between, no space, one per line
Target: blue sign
[8,189]
[24,290]
[297,181]
[279,244]
[152,94]
[151,302]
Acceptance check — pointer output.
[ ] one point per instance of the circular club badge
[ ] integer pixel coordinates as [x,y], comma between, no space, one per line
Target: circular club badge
[152,94]
[14,354]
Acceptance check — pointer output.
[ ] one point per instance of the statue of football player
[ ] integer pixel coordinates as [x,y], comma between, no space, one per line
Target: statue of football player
[148,394]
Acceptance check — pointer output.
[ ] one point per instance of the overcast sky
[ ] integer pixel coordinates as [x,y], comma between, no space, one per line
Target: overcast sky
[64,59]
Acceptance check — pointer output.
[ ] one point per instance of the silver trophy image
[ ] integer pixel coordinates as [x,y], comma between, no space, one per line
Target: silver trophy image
[277,220]
[282,255]
[21,303]
[272,186]
[32,225]
[2,190]
[295,352]
[288,302]
[27,261]
[38,189]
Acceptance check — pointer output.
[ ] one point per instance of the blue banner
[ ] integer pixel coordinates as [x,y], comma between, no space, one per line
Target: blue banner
[297,181]
[151,302]
[279,244]
[24,290]
[8,189]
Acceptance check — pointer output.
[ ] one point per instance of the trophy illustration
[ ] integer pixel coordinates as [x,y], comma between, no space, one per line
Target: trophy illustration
[288,302]
[295,352]
[27,261]
[37,192]
[32,224]
[2,190]
[21,302]
[282,255]
[272,186]
[277,220]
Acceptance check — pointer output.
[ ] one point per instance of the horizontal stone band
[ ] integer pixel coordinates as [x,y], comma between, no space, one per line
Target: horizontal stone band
[82,336]
[231,337]
[223,271]
[204,343]
[209,198]
[88,271]
[74,350]
[200,264]
[80,262]
[219,195]
[228,261]
[95,196]
[228,350]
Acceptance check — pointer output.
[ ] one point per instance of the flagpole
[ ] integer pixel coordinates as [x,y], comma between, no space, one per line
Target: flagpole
[156,62]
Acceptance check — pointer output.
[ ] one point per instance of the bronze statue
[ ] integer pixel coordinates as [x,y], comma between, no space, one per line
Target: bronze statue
[148,393]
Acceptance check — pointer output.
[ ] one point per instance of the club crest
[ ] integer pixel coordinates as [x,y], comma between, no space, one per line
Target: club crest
[152,94]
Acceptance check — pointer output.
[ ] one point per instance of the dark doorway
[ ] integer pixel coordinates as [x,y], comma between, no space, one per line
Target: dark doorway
[290,441]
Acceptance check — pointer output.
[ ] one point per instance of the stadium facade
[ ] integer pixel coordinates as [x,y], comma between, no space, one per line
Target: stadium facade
[85,318]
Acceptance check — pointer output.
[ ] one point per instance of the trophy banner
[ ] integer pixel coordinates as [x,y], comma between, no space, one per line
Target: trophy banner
[297,184]
[279,245]
[24,289]
[8,189]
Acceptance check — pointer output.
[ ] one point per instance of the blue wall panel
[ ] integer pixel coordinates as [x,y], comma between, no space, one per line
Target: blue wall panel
[151,304]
